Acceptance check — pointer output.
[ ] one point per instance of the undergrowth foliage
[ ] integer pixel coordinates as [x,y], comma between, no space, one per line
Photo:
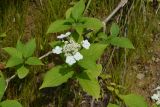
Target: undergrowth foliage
[80,47]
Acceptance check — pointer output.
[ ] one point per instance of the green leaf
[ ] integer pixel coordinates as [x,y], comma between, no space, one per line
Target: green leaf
[22,72]
[89,84]
[112,105]
[56,76]
[58,26]
[30,47]
[68,12]
[10,103]
[133,100]
[121,42]
[33,61]
[13,61]
[94,72]
[2,35]
[2,85]
[13,52]
[92,23]
[114,29]
[78,9]
[79,29]
[20,47]
[89,56]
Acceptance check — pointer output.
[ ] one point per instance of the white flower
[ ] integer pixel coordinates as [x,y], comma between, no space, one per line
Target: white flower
[70,60]
[57,50]
[68,33]
[155,97]
[62,36]
[85,44]
[78,56]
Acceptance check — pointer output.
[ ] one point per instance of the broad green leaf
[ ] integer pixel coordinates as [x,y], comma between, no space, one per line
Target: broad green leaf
[30,47]
[13,52]
[92,23]
[91,55]
[2,35]
[121,42]
[78,9]
[94,72]
[10,103]
[112,105]
[89,84]
[22,72]
[13,61]
[56,76]
[2,85]
[78,38]
[68,12]
[133,100]
[114,29]
[20,47]
[79,30]
[58,26]
[33,61]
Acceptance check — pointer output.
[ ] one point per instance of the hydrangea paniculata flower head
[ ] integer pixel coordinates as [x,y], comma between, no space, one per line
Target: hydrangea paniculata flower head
[71,47]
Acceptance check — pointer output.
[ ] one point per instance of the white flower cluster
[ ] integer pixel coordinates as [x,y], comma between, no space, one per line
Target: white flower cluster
[64,35]
[71,49]
[156,96]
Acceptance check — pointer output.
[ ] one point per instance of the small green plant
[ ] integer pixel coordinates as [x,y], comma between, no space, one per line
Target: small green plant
[21,56]
[84,68]
[6,103]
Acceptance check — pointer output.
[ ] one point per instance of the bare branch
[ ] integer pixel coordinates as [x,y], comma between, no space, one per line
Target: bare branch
[120,5]
[9,79]
[45,55]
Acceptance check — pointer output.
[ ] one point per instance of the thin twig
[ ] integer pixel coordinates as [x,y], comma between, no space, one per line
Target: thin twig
[92,102]
[120,5]
[45,55]
[9,79]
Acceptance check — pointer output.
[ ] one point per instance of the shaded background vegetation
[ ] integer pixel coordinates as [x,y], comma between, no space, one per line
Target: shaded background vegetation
[139,20]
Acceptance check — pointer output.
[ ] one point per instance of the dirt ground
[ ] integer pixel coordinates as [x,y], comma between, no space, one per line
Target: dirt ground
[145,75]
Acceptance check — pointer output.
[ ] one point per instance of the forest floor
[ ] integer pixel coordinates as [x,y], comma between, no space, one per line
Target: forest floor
[144,76]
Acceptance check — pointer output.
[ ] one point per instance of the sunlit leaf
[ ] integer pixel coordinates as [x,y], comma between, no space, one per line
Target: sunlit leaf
[13,61]
[114,29]
[91,55]
[112,105]
[2,85]
[92,23]
[22,72]
[13,52]
[33,61]
[78,9]
[56,76]
[30,47]
[133,100]
[58,26]
[10,103]
[121,42]
[89,84]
